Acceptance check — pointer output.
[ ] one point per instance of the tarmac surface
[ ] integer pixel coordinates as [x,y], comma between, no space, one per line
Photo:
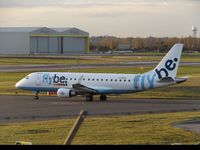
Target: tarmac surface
[192,125]
[24,108]
[24,68]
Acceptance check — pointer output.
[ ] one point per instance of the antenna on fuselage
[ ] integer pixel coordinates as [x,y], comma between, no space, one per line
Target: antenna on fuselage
[79,80]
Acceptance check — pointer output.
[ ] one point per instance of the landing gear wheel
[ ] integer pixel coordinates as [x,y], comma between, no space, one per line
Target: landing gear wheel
[89,98]
[36,97]
[103,98]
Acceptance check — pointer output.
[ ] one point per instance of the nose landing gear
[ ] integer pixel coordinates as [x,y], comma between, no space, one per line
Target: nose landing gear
[36,97]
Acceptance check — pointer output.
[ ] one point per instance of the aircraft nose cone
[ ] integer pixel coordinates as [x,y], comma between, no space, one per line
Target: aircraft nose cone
[17,85]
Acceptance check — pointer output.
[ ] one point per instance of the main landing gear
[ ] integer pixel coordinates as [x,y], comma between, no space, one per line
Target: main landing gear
[89,98]
[103,98]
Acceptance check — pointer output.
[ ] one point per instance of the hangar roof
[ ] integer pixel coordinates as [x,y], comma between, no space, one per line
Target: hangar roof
[43,30]
[19,29]
[61,29]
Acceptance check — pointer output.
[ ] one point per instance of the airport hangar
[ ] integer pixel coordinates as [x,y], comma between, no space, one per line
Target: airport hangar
[43,40]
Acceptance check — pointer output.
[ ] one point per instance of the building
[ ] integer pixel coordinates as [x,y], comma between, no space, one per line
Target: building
[123,46]
[43,40]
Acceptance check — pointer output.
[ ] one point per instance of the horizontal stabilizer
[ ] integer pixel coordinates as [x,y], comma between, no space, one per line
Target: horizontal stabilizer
[166,79]
[170,79]
[182,79]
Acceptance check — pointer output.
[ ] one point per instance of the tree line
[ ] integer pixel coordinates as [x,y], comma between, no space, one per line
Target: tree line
[153,44]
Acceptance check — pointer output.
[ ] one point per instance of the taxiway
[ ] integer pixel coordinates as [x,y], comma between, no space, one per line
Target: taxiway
[25,108]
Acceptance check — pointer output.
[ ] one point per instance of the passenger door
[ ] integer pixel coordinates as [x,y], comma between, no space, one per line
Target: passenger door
[38,79]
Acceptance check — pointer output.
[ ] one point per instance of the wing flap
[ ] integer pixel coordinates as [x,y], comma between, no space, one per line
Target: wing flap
[84,88]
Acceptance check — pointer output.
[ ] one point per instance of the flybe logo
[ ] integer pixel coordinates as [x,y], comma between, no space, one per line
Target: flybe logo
[144,81]
[169,66]
[47,79]
[56,80]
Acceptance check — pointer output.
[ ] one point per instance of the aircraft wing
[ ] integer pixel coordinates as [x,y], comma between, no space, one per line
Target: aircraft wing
[82,88]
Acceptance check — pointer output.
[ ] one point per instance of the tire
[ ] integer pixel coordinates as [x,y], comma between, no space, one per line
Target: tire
[103,98]
[36,97]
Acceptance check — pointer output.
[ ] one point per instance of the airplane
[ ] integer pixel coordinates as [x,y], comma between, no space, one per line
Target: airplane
[68,85]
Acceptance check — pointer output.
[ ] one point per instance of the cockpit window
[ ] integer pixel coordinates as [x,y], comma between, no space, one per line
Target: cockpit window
[27,77]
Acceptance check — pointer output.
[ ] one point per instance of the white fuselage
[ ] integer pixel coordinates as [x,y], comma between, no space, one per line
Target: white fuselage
[103,83]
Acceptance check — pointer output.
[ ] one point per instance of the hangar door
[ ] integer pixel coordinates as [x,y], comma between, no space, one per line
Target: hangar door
[74,45]
[44,45]
[54,45]
[34,45]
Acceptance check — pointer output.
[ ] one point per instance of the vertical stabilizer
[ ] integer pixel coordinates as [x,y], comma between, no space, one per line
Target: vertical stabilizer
[168,66]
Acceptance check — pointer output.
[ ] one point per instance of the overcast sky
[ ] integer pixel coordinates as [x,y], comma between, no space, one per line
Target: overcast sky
[123,18]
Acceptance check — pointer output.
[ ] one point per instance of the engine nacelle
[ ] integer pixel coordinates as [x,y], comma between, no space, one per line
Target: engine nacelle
[65,93]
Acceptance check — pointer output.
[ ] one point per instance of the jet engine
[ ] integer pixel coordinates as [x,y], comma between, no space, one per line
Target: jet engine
[65,93]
